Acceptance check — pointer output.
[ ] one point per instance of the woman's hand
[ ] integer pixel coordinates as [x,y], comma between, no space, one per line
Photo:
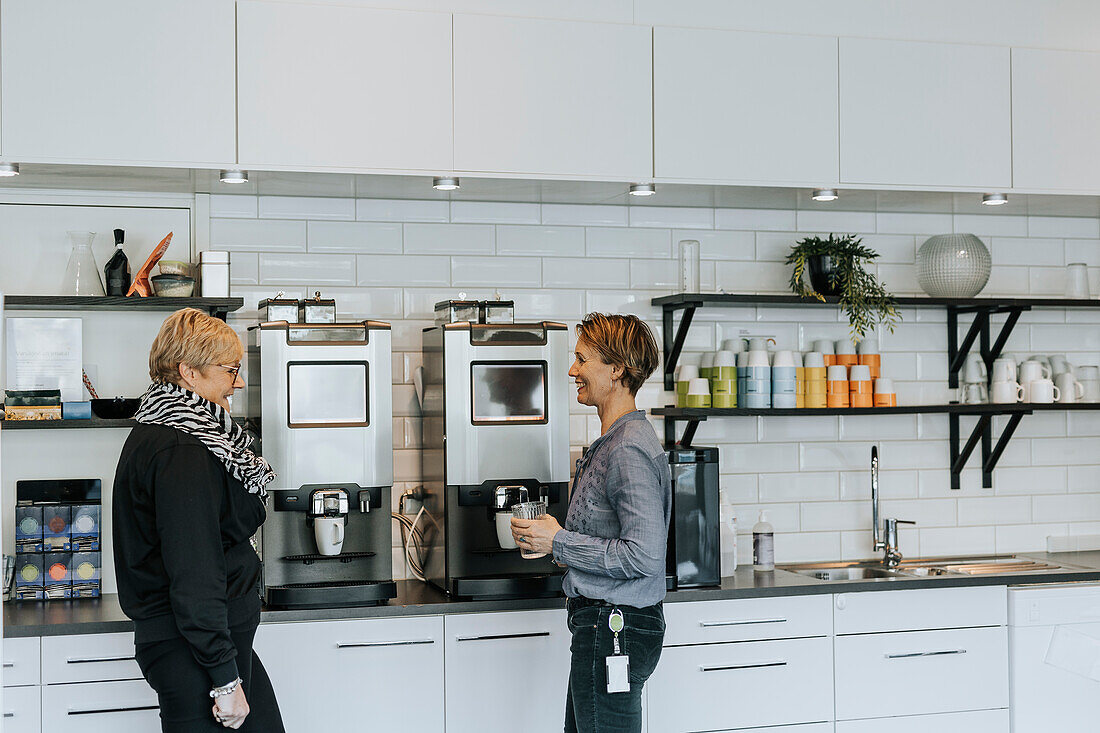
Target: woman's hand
[231,710]
[536,535]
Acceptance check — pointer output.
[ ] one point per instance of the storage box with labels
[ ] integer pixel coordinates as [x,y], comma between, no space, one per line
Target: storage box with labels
[59,574]
[57,538]
[86,569]
[30,576]
[28,529]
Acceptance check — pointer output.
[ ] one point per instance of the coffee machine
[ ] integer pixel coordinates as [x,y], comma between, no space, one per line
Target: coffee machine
[694,549]
[324,392]
[495,409]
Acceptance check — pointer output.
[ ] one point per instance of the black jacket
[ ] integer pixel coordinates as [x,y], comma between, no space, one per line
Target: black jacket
[183,559]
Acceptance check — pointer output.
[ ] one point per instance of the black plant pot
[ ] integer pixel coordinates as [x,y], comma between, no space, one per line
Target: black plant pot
[822,268]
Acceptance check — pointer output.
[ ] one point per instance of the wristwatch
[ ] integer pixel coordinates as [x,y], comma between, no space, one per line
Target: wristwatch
[227,689]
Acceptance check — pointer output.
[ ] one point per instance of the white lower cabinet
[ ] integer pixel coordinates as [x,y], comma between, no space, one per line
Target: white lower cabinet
[89,658]
[22,661]
[775,682]
[979,721]
[507,672]
[100,707]
[22,709]
[357,675]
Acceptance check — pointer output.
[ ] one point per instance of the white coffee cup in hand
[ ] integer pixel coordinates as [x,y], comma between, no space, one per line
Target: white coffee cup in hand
[329,534]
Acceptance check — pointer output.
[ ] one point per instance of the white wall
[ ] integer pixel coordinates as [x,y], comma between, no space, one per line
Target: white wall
[392,260]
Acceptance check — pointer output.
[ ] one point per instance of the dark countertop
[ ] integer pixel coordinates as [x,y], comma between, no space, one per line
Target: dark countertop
[103,615]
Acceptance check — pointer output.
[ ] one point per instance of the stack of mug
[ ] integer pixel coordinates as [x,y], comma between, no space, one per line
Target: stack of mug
[814,383]
[974,379]
[1042,380]
[754,378]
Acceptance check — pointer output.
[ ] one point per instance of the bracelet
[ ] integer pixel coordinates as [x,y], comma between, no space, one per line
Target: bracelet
[224,690]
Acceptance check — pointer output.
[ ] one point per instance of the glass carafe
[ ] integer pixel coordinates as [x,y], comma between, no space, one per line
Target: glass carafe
[82,274]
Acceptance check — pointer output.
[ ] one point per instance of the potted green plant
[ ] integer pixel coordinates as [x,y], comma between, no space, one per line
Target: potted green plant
[835,267]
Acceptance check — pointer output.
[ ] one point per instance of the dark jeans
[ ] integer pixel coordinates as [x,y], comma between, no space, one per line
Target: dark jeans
[183,687]
[589,707]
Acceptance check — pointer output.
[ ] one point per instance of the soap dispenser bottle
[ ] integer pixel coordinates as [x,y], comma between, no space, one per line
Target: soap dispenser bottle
[763,544]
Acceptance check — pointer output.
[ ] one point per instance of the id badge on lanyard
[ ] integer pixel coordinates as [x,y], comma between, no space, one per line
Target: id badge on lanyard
[618,664]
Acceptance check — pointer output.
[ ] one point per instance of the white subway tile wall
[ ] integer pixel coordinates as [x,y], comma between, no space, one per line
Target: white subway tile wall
[393,259]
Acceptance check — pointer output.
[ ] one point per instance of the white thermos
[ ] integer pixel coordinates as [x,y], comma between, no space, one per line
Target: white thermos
[214,274]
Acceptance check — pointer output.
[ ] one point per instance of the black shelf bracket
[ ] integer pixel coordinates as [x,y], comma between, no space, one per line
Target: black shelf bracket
[982,432]
[691,424]
[957,353]
[674,340]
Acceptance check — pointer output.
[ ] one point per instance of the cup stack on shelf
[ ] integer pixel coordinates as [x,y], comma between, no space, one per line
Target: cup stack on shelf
[1037,379]
[973,389]
[749,373]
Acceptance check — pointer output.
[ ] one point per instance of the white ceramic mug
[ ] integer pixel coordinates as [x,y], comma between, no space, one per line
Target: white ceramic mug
[725,358]
[1032,370]
[328,532]
[824,346]
[859,373]
[814,360]
[1091,390]
[734,345]
[1059,365]
[1006,392]
[845,347]
[784,358]
[884,385]
[1088,372]
[759,343]
[1071,389]
[974,394]
[868,346]
[758,358]
[974,372]
[1004,370]
[688,372]
[1043,391]
[504,530]
[837,373]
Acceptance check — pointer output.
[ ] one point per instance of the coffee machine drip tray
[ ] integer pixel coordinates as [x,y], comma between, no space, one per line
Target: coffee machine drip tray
[508,586]
[336,594]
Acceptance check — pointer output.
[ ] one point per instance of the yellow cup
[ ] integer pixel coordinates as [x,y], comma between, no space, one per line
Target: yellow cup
[813,373]
[816,400]
[816,386]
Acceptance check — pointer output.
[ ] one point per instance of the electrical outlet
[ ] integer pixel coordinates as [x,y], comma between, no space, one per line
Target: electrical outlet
[412,505]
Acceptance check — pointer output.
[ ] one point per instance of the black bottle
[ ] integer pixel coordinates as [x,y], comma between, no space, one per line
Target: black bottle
[117,270]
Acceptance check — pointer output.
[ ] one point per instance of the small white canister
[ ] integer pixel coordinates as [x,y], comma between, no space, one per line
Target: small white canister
[214,274]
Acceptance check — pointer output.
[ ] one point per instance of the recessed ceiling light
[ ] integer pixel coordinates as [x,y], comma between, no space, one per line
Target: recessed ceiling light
[9,169]
[642,189]
[233,177]
[445,183]
[825,194]
[994,199]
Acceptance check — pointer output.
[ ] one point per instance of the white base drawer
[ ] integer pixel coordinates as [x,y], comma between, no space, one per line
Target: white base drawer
[22,709]
[747,619]
[741,685]
[981,721]
[89,658]
[919,672]
[22,661]
[100,707]
[923,608]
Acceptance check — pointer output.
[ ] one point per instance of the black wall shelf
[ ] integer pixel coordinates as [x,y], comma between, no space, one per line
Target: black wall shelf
[217,307]
[980,330]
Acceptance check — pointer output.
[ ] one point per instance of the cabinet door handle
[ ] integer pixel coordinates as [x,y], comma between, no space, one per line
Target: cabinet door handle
[93,660]
[97,711]
[9,715]
[910,655]
[362,644]
[9,665]
[751,665]
[493,637]
[743,622]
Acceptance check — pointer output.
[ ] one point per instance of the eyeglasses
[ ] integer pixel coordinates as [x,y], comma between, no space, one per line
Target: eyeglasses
[233,370]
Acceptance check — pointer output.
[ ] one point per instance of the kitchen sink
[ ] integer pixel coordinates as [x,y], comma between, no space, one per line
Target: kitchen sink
[925,568]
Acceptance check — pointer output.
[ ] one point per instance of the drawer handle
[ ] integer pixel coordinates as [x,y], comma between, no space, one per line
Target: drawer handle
[361,644]
[93,660]
[494,637]
[911,655]
[114,710]
[754,665]
[9,715]
[745,622]
[9,665]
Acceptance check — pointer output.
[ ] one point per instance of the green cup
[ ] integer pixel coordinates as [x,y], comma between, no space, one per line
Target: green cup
[705,372]
[698,400]
[726,372]
[681,394]
[723,386]
[723,399]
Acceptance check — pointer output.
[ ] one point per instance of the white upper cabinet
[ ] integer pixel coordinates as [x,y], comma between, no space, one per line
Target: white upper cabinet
[553,97]
[1054,106]
[745,107]
[924,114]
[325,86]
[118,81]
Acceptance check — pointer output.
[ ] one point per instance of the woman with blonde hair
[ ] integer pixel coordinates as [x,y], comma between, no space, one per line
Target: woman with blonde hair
[615,538]
[188,496]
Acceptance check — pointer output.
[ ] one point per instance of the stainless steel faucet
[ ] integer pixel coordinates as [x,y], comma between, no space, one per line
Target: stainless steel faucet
[889,543]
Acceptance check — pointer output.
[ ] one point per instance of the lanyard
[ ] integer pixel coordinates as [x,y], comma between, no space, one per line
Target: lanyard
[616,624]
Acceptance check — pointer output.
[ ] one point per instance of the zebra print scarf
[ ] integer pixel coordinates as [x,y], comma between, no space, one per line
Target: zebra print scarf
[175,407]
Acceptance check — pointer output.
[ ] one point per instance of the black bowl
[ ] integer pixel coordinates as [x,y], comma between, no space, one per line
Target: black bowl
[119,408]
